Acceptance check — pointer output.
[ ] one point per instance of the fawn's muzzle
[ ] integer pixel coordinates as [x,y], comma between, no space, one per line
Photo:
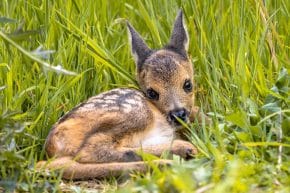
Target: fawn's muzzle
[181,114]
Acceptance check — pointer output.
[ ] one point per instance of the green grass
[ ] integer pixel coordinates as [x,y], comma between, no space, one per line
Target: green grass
[241,54]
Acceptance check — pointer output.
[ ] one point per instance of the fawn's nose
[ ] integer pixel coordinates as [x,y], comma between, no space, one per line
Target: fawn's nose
[178,113]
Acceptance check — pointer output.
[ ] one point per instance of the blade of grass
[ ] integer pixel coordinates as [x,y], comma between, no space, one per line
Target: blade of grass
[94,49]
[46,65]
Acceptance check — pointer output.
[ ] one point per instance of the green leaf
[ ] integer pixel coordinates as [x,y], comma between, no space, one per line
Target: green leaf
[23,35]
[243,136]
[271,108]
[283,78]
[238,118]
[7,20]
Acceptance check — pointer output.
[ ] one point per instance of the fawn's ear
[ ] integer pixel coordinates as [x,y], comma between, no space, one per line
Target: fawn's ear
[139,48]
[179,37]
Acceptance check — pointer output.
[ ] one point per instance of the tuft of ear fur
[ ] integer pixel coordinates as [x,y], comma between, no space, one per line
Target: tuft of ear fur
[139,48]
[179,37]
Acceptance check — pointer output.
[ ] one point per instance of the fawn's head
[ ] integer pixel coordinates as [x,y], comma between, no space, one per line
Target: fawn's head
[166,75]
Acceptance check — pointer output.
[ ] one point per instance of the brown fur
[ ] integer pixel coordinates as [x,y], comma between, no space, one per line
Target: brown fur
[102,136]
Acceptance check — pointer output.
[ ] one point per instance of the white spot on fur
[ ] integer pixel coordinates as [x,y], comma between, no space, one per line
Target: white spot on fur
[135,101]
[126,107]
[123,91]
[110,101]
[96,100]
[87,107]
[111,97]
[104,105]
[114,108]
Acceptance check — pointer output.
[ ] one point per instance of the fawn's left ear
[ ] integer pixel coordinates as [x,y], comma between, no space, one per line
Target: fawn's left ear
[179,37]
[139,48]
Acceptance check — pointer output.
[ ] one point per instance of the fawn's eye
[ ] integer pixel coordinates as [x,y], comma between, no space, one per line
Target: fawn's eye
[152,94]
[187,87]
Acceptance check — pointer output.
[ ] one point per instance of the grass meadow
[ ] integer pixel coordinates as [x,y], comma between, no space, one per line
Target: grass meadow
[56,54]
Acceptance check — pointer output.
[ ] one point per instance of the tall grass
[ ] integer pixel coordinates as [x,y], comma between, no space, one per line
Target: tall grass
[56,54]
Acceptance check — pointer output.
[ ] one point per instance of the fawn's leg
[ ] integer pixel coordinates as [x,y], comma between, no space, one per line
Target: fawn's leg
[92,152]
[101,149]
[177,147]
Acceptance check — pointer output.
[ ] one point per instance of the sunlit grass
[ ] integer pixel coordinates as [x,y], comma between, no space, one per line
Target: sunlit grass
[241,54]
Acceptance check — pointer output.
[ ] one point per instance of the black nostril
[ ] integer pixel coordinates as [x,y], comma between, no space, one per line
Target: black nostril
[181,114]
